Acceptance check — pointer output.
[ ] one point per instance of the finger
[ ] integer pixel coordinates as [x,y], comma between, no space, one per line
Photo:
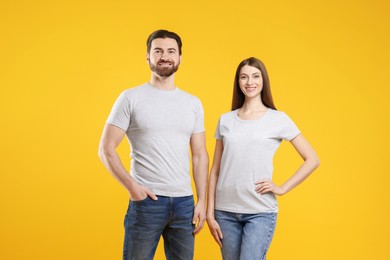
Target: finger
[195,217]
[220,233]
[217,234]
[200,225]
[194,222]
[198,228]
[217,239]
[219,242]
[262,187]
[152,195]
[266,190]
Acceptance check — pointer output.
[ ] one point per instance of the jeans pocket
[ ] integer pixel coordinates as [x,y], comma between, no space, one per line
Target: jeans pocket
[142,200]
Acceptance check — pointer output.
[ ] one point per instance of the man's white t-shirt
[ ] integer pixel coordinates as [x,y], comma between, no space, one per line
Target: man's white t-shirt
[159,124]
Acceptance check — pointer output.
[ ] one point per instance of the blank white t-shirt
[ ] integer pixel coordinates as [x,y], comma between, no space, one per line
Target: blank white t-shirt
[249,148]
[159,124]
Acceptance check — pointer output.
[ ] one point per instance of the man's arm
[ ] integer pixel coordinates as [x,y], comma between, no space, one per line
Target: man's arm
[111,138]
[214,227]
[200,167]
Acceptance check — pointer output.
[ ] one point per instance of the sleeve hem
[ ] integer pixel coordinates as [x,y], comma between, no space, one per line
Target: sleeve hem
[293,136]
[117,125]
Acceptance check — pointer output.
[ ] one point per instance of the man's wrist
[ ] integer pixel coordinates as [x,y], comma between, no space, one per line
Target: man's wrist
[201,200]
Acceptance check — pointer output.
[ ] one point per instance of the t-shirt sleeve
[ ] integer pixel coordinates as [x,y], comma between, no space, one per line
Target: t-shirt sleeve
[199,119]
[120,112]
[217,134]
[288,128]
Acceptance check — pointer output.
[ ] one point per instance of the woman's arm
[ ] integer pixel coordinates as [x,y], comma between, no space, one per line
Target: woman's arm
[310,163]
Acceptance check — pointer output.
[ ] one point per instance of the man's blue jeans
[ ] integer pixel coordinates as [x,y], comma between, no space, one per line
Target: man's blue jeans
[245,236]
[147,220]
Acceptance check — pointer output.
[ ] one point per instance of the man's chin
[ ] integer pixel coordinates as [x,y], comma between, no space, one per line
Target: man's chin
[165,72]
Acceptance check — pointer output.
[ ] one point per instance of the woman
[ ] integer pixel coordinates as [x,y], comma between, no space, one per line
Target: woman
[242,206]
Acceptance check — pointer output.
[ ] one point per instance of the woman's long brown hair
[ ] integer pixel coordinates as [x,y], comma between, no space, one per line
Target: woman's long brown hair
[265,95]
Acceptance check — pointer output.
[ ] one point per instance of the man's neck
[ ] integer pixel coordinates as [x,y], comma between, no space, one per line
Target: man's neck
[166,83]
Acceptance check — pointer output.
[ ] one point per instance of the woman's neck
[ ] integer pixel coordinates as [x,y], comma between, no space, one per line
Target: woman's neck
[253,105]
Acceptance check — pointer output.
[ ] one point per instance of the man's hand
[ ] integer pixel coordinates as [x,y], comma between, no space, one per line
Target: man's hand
[199,217]
[139,192]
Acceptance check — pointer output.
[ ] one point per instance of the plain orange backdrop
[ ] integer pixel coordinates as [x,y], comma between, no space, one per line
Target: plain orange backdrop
[63,63]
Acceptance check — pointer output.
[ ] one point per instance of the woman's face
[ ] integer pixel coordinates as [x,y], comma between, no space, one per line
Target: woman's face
[250,81]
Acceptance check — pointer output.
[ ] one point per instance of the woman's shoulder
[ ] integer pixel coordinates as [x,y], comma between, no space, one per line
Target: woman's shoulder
[277,113]
[228,115]
[280,117]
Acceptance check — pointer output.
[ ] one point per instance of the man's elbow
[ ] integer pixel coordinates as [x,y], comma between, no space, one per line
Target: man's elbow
[103,153]
[201,157]
[100,153]
[205,158]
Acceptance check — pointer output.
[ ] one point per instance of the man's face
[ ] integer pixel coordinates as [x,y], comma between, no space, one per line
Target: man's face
[164,58]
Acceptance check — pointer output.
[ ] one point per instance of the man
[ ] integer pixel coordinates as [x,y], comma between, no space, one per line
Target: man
[161,123]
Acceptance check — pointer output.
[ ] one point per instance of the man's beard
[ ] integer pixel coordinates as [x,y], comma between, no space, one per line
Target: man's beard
[164,71]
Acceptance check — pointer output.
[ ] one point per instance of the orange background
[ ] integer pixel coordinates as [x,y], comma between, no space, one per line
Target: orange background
[64,63]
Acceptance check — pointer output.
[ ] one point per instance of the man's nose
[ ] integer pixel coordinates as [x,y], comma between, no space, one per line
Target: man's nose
[163,56]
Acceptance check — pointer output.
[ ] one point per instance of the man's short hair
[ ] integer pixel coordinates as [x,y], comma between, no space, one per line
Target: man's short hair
[163,34]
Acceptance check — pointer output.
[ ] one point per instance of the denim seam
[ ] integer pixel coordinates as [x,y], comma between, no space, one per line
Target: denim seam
[171,251]
[269,236]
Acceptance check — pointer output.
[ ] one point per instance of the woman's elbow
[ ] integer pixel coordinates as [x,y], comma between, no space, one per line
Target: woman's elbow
[315,162]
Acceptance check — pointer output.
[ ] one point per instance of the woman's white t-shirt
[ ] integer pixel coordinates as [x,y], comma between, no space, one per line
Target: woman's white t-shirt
[249,148]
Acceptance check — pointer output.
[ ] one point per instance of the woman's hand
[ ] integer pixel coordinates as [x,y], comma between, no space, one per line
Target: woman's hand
[215,230]
[265,186]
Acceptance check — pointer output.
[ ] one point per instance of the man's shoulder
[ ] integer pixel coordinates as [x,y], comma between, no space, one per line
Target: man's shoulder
[134,90]
[188,96]
[134,93]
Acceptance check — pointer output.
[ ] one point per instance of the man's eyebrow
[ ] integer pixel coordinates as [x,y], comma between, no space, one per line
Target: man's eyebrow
[160,49]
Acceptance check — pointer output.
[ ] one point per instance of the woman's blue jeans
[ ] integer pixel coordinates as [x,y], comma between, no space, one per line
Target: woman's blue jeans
[147,220]
[245,236]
